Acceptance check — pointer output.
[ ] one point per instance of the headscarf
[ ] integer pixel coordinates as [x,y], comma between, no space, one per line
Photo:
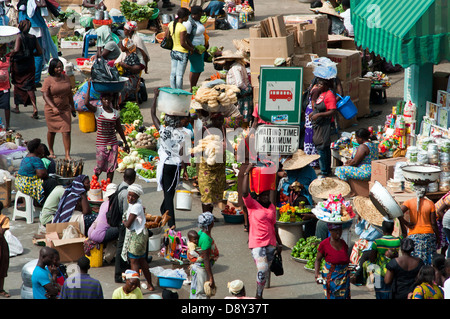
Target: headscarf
[104,35]
[235,286]
[69,200]
[172,120]
[333,226]
[131,25]
[136,188]
[205,219]
[131,274]
[129,44]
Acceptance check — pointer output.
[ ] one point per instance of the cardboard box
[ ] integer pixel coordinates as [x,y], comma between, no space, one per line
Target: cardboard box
[5,193]
[255,31]
[235,21]
[279,26]
[305,37]
[210,24]
[351,88]
[280,47]
[364,97]
[70,250]
[317,23]
[383,170]
[348,63]
[336,41]
[320,48]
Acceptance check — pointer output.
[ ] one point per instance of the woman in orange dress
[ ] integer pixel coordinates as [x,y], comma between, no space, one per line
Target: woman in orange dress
[59,106]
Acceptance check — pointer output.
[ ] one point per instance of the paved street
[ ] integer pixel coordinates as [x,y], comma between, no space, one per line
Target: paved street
[235,261]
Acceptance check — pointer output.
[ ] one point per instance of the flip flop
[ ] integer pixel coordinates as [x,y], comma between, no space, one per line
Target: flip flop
[35,116]
[4,294]
[52,156]
[15,111]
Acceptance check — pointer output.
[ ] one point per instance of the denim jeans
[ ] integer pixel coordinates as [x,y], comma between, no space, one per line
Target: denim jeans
[325,161]
[179,63]
[39,64]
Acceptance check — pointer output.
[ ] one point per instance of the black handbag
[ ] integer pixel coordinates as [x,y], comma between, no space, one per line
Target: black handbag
[167,42]
[277,265]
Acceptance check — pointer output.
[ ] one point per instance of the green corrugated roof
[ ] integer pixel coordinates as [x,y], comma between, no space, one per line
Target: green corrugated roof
[404,32]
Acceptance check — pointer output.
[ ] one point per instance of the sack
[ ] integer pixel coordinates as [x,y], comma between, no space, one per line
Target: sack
[167,42]
[277,265]
[113,215]
[14,244]
[70,232]
[143,95]
[102,72]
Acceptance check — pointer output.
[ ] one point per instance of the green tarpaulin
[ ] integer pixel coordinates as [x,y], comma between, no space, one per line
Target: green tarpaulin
[403,32]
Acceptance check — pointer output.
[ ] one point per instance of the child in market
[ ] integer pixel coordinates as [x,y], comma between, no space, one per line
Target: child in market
[192,253]
[108,124]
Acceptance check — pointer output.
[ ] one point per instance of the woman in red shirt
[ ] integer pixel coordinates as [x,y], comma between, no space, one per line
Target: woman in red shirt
[324,104]
[335,273]
[263,239]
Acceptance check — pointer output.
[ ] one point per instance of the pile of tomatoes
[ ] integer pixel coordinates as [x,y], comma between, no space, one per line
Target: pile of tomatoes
[95,184]
[229,210]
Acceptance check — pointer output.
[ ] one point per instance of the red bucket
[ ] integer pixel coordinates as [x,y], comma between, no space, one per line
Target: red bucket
[263,178]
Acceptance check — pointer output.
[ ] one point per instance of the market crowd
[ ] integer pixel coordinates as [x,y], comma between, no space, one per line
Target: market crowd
[399,266]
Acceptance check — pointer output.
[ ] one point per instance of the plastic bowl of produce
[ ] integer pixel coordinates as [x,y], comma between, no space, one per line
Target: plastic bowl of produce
[155,14]
[233,218]
[114,86]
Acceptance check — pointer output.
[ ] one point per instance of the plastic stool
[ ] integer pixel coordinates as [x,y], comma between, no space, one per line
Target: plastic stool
[29,213]
[88,37]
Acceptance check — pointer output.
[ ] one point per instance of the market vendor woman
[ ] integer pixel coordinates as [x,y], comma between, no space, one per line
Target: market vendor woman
[359,166]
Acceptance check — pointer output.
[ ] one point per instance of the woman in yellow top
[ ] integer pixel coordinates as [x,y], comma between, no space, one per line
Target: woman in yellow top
[181,48]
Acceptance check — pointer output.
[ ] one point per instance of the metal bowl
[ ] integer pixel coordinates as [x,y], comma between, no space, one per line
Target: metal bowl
[421,174]
[384,202]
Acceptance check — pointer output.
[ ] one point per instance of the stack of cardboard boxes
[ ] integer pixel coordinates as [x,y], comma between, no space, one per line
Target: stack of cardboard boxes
[298,39]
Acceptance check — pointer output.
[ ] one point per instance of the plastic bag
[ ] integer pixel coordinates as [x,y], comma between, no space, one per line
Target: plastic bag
[323,68]
[15,246]
[102,72]
[70,232]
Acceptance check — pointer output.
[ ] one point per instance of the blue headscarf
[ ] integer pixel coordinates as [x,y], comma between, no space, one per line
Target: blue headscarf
[69,200]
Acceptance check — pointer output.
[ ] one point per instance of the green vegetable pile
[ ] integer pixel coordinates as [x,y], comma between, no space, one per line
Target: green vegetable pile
[307,249]
[134,12]
[130,113]
[74,38]
[146,173]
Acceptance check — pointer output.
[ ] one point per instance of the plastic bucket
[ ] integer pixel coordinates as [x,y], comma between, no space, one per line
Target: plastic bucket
[86,122]
[346,107]
[174,101]
[184,199]
[263,178]
[154,242]
[96,257]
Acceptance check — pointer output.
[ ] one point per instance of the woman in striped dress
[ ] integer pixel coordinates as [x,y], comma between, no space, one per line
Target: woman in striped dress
[108,124]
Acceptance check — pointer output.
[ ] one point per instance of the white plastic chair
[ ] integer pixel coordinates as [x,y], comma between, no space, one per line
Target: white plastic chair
[29,213]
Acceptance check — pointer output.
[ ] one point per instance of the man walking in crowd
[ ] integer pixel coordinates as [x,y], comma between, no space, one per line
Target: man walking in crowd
[81,285]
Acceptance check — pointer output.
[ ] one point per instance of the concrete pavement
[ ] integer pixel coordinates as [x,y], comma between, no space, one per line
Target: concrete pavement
[235,261]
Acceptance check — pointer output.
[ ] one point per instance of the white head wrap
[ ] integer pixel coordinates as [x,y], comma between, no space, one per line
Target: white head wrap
[136,188]
[235,286]
[205,219]
[130,274]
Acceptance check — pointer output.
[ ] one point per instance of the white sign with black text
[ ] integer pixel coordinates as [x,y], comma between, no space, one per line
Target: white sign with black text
[277,139]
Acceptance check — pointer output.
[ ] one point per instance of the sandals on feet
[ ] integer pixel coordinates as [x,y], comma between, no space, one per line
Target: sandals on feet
[35,116]
[4,294]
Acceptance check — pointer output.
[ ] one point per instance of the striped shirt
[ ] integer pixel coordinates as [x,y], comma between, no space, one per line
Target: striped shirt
[106,127]
[81,286]
[382,245]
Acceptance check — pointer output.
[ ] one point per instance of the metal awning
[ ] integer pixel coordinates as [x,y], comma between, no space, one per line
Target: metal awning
[403,32]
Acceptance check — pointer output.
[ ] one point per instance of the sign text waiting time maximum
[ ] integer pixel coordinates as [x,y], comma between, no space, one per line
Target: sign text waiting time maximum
[281,139]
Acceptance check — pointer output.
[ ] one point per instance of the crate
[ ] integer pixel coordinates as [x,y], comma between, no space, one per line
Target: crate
[71,44]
